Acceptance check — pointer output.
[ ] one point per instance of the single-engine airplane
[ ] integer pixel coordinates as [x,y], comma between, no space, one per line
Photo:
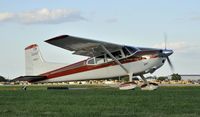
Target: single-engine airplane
[105,60]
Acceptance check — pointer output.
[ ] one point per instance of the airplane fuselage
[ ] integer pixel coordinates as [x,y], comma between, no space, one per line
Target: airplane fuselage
[142,64]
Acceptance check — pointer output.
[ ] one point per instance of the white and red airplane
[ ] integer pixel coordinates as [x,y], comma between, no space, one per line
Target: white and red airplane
[105,60]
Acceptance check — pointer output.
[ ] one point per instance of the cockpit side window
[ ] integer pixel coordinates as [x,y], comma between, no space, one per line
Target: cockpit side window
[117,54]
[106,58]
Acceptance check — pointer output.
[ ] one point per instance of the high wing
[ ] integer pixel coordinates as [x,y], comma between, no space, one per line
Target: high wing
[82,46]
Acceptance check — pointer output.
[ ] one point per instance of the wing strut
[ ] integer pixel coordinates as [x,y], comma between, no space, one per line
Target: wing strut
[104,48]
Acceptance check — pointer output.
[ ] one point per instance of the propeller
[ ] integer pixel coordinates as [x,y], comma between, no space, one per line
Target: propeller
[167,53]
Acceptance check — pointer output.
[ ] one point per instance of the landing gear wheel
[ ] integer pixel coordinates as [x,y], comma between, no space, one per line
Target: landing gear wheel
[128,86]
[150,86]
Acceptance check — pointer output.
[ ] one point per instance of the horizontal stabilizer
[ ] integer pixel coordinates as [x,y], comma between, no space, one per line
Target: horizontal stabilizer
[30,78]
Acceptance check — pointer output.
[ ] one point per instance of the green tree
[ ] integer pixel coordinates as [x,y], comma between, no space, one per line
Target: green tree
[2,79]
[162,78]
[176,77]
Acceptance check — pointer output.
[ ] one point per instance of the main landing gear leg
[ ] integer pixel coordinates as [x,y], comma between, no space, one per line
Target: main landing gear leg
[130,75]
[144,79]
[147,85]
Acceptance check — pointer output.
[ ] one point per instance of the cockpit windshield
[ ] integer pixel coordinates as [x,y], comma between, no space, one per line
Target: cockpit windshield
[130,50]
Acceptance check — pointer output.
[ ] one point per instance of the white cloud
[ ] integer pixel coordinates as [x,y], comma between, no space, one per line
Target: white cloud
[44,15]
[6,16]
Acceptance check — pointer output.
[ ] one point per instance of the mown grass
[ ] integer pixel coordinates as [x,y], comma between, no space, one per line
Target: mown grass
[100,102]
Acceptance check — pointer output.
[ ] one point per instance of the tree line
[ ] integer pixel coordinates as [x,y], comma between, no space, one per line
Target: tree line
[175,77]
[3,79]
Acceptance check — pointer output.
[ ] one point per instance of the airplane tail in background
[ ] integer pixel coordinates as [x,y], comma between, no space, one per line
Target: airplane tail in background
[35,64]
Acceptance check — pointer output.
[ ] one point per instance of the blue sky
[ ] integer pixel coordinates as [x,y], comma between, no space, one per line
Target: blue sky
[131,22]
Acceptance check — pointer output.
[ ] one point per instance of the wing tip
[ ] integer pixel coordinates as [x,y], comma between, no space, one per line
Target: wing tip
[56,38]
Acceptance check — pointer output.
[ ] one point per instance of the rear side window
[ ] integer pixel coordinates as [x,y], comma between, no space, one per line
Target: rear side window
[91,61]
[100,59]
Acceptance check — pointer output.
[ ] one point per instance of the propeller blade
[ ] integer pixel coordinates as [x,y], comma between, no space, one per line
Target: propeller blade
[165,37]
[170,64]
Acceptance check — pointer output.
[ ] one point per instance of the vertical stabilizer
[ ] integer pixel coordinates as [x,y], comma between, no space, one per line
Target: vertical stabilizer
[35,64]
[34,60]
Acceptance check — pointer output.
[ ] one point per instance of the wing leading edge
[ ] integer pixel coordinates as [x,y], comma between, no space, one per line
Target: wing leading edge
[82,46]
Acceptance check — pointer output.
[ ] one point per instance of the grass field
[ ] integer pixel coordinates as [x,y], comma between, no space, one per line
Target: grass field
[100,102]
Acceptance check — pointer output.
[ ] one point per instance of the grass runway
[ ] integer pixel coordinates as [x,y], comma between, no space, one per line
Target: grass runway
[99,102]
